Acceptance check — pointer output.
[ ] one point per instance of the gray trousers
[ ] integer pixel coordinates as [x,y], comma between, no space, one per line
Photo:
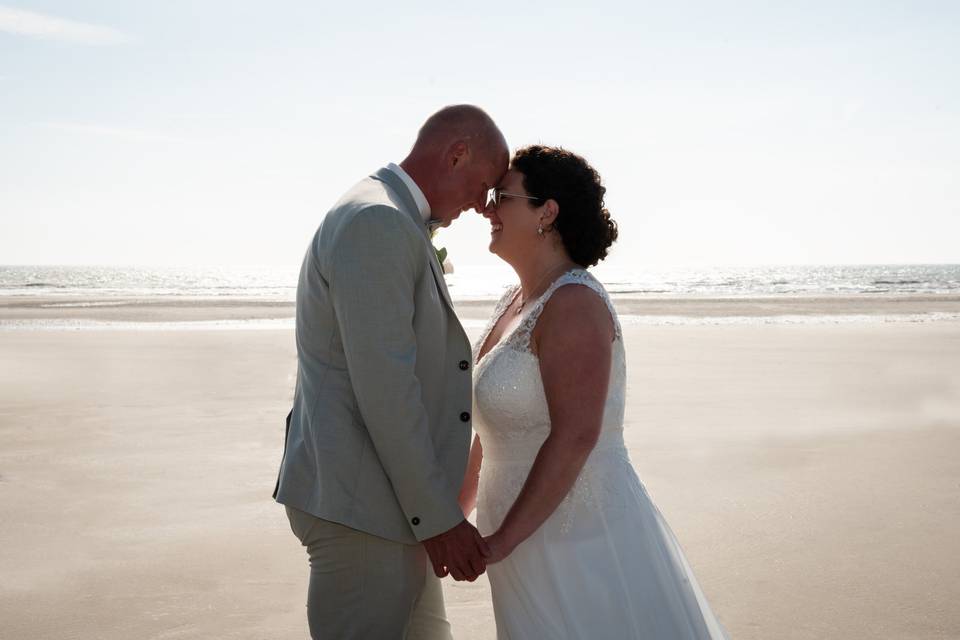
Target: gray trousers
[366,587]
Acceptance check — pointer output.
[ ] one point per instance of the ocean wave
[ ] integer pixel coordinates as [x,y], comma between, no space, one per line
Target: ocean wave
[898,282]
[32,285]
[111,325]
[627,320]
[83,305]
[812,319]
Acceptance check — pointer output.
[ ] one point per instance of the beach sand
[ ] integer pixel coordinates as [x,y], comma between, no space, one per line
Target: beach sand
[811,472]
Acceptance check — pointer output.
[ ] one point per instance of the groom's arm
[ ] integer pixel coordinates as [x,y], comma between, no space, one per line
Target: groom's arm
[375,263]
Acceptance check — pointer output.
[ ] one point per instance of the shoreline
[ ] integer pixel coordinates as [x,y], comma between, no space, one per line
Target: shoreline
[25,311]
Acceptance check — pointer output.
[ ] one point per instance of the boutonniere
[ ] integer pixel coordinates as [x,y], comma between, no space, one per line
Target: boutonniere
[441,254]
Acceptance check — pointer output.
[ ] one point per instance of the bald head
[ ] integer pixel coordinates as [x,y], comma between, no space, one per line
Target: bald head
[459,154]
[461,122]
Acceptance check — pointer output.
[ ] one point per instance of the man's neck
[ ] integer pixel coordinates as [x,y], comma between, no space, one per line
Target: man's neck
[420,175]
[423,205]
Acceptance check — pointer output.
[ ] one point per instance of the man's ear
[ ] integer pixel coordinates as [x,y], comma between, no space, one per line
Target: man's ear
[457,152]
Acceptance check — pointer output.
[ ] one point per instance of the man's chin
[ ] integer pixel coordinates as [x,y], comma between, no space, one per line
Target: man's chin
[446,220]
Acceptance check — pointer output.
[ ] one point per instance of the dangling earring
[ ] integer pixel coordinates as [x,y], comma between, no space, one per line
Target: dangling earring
[540,230]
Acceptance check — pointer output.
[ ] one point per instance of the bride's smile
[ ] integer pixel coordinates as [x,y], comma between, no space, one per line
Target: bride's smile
[511,212]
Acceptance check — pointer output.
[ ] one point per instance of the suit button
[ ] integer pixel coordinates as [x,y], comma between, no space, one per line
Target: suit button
[465,417]
[415,521]
[464,365]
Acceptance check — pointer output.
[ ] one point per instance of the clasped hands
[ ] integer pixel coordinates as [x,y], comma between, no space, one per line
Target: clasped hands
[463,553]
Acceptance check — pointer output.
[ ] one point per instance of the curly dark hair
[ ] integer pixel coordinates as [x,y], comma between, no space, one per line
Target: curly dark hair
[584,224]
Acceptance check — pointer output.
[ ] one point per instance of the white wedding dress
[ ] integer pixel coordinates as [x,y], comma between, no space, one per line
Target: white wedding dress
[604,564]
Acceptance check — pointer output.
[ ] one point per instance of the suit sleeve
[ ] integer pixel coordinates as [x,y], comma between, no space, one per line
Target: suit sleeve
[377,258]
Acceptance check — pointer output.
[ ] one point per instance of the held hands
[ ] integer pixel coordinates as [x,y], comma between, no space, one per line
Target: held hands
[461,552]
[500,547]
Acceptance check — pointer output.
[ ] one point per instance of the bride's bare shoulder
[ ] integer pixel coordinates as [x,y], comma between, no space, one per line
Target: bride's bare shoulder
[577,312]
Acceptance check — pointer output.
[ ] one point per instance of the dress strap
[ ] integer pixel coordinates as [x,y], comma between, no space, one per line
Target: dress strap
[521,336]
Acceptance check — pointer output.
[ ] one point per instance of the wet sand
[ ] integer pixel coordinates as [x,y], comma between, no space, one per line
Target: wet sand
[164,309]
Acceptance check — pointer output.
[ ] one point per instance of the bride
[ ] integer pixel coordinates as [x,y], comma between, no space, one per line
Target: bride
[579,548]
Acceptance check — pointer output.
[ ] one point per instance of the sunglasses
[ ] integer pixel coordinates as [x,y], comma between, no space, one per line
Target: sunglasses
[495,195]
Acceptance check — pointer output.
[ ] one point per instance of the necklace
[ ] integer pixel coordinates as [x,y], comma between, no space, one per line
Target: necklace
[537,287]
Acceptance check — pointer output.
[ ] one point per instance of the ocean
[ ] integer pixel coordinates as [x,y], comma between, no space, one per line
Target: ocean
[858,289]
[487,283]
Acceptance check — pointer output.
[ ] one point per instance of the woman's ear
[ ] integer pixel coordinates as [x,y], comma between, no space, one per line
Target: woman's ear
[549,212]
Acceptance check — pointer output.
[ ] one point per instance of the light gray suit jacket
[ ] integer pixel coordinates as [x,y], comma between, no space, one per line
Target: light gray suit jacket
[379,433]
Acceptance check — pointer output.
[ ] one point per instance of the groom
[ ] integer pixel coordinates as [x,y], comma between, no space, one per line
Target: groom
[378,437]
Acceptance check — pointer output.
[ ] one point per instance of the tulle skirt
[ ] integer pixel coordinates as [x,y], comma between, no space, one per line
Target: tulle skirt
[604,565]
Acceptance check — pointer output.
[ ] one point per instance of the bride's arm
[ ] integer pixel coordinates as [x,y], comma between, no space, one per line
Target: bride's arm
[471,480]
[574,347]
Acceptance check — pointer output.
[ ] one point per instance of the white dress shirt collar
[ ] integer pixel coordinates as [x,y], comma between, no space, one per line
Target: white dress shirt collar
[415,191]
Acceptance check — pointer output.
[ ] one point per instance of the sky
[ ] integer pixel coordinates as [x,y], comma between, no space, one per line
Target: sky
[212,132]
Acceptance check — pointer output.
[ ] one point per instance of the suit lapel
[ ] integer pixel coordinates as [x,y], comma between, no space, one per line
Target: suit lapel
[409,206]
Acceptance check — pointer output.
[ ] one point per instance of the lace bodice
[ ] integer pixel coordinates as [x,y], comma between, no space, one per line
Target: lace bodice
[512,417]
